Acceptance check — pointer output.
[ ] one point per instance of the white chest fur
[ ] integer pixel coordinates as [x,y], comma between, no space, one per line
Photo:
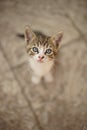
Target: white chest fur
[40,69]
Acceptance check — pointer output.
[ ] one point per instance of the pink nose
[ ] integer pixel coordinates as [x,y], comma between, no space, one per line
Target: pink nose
[40,57]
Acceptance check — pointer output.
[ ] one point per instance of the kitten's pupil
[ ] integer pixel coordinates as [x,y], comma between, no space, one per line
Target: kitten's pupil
[35,49]
[48,51]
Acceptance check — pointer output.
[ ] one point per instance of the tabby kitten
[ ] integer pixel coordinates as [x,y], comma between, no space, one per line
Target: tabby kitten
[42,51]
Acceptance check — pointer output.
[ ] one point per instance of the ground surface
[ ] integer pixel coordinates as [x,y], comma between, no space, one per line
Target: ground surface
[61,105]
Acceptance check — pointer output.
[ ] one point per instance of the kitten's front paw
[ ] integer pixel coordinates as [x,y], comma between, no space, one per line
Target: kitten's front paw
[48,78]
[35,80]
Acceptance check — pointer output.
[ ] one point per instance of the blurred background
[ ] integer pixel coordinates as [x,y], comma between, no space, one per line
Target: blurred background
[61,105]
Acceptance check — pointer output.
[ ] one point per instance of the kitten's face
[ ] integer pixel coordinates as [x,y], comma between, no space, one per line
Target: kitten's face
[41,49]
[41,53]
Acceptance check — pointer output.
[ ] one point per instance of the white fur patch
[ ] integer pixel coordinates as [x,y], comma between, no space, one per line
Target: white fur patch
[40,69]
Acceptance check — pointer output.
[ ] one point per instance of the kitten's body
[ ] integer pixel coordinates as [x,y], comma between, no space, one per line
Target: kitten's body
[42,51]
[41,69]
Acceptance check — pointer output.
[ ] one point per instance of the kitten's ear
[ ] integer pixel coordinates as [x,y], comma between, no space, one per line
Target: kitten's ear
[29,34]
[56,39]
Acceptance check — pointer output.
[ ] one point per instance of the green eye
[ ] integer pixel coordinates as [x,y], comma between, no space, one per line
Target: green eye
[48,51]
[35,49]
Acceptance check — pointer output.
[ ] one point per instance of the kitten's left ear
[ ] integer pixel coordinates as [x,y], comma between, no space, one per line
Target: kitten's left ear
[56,39]
[29,34]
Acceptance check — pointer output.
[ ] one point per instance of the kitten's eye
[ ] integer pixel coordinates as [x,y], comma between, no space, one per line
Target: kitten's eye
[35,49]
[48,51]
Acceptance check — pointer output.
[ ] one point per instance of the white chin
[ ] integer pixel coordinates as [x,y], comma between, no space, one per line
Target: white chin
[40,61]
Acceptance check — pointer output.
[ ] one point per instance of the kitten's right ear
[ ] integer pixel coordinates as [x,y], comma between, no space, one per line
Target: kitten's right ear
[29,34]
[56,39]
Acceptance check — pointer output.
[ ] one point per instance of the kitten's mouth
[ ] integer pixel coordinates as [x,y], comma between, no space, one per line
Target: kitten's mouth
[40,61]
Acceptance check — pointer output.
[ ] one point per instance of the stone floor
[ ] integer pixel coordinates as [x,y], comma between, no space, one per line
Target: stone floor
[61,105]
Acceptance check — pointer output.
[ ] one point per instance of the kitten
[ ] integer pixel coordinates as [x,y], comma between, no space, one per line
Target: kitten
[42,51]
